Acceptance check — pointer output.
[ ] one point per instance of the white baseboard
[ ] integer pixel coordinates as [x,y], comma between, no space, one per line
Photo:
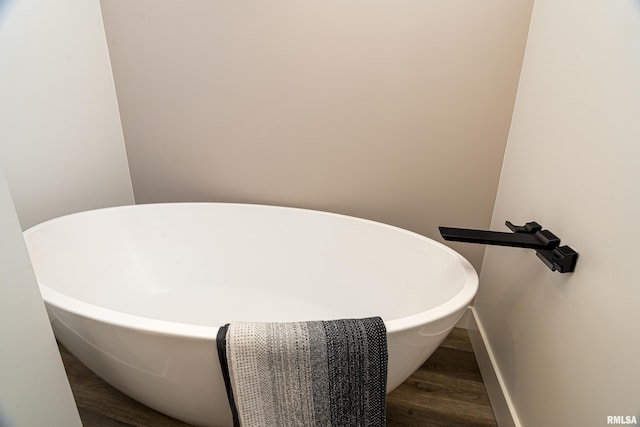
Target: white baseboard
[500,402]
[467,320]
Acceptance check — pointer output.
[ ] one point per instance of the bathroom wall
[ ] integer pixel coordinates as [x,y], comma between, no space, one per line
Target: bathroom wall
[394,111]
[61,142]
[34,390]
[566,345]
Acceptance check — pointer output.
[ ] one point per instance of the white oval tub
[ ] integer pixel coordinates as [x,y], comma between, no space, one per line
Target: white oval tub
[137,293]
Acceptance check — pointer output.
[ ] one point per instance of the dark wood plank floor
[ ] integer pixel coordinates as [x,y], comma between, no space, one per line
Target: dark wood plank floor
[447,391]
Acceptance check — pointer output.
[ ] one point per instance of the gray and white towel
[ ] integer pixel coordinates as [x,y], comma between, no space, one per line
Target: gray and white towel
[299,374]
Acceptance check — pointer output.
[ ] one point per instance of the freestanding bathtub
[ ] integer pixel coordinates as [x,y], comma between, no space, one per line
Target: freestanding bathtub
[137,293]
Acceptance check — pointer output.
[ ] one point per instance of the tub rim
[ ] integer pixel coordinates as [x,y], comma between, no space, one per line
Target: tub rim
[61,301]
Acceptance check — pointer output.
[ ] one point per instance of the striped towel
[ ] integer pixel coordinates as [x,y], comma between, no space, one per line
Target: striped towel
[324,373]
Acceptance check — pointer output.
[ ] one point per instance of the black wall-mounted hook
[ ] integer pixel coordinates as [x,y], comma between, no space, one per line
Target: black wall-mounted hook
[531,235]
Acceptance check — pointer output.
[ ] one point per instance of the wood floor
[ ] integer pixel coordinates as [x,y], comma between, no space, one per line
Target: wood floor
[447,391]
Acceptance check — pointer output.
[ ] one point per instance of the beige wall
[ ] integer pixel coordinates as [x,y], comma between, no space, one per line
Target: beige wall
[566,345]
[393,111]
[61,142]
